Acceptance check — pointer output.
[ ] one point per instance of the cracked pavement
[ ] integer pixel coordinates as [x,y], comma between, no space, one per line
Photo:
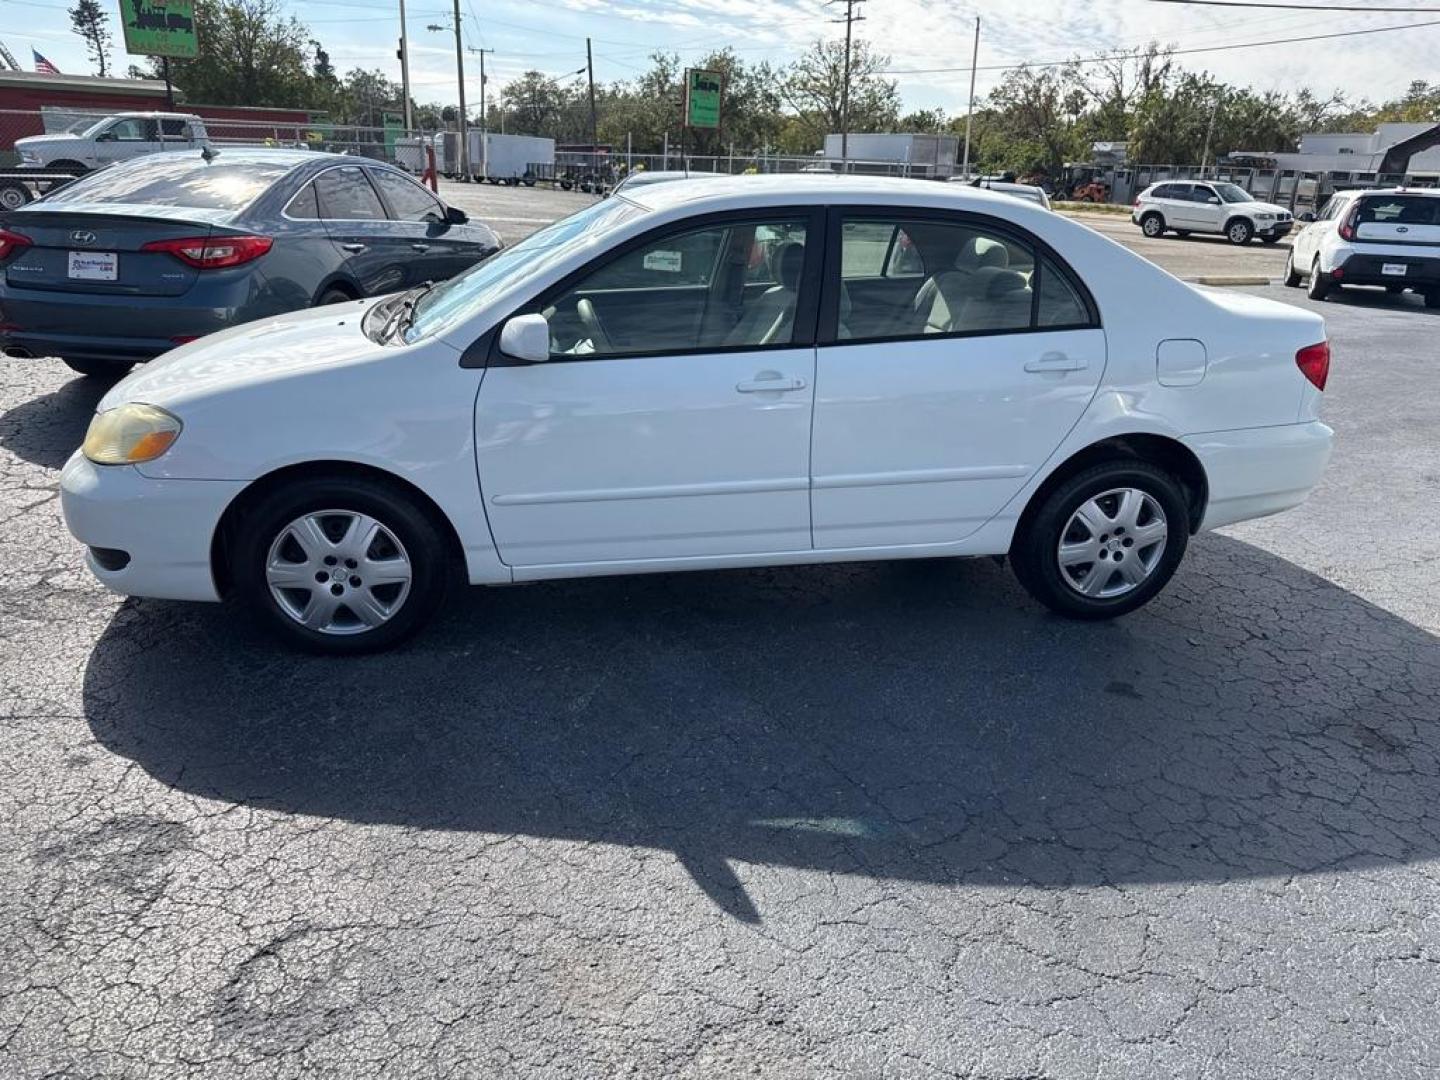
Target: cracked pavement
[863,820]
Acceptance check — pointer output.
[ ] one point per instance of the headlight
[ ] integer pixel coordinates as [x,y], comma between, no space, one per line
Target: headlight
[1264,217]
[130,434]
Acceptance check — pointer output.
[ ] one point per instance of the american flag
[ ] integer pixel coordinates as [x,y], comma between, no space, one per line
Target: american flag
[45,67]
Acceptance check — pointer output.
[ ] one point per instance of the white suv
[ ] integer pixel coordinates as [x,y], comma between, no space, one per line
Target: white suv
[1388,236]
[1186,206]
[93,145]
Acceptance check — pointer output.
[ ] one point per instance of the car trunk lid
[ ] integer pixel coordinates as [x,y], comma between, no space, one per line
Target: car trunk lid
[101,251]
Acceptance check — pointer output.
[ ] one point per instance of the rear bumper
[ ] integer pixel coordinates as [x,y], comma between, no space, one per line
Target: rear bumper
[165,527]
[87,347]
[1421,272]
[1253,472]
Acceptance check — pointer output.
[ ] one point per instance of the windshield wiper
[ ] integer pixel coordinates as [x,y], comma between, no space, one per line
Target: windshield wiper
[403,314]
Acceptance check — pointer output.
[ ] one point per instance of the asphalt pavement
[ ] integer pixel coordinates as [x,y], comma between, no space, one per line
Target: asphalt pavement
[851,821]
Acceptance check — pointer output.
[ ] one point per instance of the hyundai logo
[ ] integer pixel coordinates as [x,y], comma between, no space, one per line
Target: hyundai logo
[82,236]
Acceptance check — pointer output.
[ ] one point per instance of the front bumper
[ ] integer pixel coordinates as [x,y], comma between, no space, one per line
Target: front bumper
[164,526]
[1253,472]
[1276,229]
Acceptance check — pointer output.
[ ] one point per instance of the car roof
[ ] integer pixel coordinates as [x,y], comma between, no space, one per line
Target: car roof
[259,155]
[740,192]
[1433,193]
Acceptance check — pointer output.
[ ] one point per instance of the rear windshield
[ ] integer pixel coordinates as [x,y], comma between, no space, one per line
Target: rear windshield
[186,182]
[1400,210]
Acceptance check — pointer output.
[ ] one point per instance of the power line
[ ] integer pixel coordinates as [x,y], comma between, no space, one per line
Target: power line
[1172,52]
[1300,7]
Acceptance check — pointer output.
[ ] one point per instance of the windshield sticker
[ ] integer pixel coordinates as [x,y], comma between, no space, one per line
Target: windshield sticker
[667,262]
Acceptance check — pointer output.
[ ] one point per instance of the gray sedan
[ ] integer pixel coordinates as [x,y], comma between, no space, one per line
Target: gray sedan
[126,263]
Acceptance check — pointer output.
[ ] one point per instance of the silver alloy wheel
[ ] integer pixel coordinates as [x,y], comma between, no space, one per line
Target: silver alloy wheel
[1239,232]
[1152,226]
[1112,543]
[338,572]
[12,197]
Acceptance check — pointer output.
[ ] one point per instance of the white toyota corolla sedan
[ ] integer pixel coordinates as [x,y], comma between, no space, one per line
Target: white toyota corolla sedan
[711,374]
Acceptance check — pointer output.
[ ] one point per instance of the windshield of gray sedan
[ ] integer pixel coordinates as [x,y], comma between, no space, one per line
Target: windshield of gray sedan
[455,300]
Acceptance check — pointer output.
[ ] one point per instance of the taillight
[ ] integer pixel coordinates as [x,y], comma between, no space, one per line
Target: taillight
[11,242]
[213,252]
[1347,227]
[1314,363]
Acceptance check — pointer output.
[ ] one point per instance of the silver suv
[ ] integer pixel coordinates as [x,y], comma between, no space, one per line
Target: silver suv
[1228,210]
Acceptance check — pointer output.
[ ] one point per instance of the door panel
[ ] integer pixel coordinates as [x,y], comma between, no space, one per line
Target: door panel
[647,457]
[923,441]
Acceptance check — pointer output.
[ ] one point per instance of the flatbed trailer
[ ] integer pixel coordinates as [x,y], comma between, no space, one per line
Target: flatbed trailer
[20,186]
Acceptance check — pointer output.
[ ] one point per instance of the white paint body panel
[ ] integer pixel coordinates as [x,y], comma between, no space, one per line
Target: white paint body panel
[649,464]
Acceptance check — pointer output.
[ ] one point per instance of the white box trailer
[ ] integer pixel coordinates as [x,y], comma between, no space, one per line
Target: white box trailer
[907,154]
[510,159]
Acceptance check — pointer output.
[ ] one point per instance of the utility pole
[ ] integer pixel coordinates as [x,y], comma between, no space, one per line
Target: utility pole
[850,19]
[484,116]
[590,72]
[404,55]
[970,111]
[460,78]
[1209,130]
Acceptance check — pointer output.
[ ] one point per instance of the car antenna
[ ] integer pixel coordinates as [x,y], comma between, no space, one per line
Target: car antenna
[209,154]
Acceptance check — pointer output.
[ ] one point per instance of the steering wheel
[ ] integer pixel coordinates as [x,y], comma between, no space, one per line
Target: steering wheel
[591,320]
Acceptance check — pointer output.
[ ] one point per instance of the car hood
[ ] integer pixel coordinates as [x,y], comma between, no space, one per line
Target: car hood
[48,142]
[264,351]
[1266,207]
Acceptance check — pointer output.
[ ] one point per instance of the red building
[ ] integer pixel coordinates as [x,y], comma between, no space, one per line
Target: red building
[26,96]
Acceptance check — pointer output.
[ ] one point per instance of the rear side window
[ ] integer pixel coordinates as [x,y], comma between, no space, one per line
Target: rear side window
[878,249]
[345,195]
[175,129]
[1164,191]
[408,200]
[1399,210]
[159,182]
[304,206]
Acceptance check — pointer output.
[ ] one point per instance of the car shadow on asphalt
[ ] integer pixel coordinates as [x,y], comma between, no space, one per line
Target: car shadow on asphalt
[1369,297]
[919,721]
[46,429]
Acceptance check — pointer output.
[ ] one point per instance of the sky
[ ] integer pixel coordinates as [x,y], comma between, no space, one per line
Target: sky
[916,35]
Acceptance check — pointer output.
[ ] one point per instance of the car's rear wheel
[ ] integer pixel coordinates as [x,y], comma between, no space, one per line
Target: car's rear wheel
[340,565]
[1432,298]
[1152,225]
[1239,232]
[1292,276]
[1103,542]
[333,296]
[99,369]
[1394,289]
[1319,283]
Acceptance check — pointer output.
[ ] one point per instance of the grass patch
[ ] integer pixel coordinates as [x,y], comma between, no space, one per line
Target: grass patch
[1066,207]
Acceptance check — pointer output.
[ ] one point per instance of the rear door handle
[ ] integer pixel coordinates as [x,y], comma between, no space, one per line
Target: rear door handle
[1056,361]
[769,382]
[420,247]
[355,248]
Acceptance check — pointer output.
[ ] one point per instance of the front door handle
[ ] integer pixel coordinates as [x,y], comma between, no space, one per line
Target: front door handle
[1056,361]
[769,382]
[354,249]
[420,247]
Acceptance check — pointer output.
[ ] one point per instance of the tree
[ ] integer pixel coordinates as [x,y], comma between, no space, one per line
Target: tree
[92,22]
[814,85]
[250,54]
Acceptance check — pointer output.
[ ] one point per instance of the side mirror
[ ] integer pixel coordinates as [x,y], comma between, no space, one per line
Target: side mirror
[1306,217]
[455,216]
[1214,200]
[526,337]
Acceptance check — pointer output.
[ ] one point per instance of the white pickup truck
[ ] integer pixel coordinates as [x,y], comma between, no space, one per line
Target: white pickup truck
[94,144]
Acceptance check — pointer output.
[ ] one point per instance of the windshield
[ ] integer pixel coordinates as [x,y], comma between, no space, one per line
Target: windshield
[455,300]
[85,126]
[1233,193]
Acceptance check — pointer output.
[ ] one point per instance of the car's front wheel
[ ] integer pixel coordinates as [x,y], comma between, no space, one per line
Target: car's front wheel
[340,565]
[1152,225]
[1104,542]
[1292,276]
[1239,232]
[99,369]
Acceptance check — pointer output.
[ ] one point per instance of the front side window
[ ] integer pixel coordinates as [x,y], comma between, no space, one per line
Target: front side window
[725,286]
[973,280]
[408,200]
[345,195]
[133,129]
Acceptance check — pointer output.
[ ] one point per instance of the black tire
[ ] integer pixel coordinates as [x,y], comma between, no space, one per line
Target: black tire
[1152,225]
[99,369]
[1239,232]
[1319,283]
[418,534]
[1034,551]
[333,295]
[1394,290]
[1292,276]
[528,181]
[13,195]
[1182,233]
[1269,239]
[1432,298]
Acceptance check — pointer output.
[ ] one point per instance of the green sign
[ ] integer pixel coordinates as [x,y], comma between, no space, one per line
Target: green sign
[702,98]
[159,28]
